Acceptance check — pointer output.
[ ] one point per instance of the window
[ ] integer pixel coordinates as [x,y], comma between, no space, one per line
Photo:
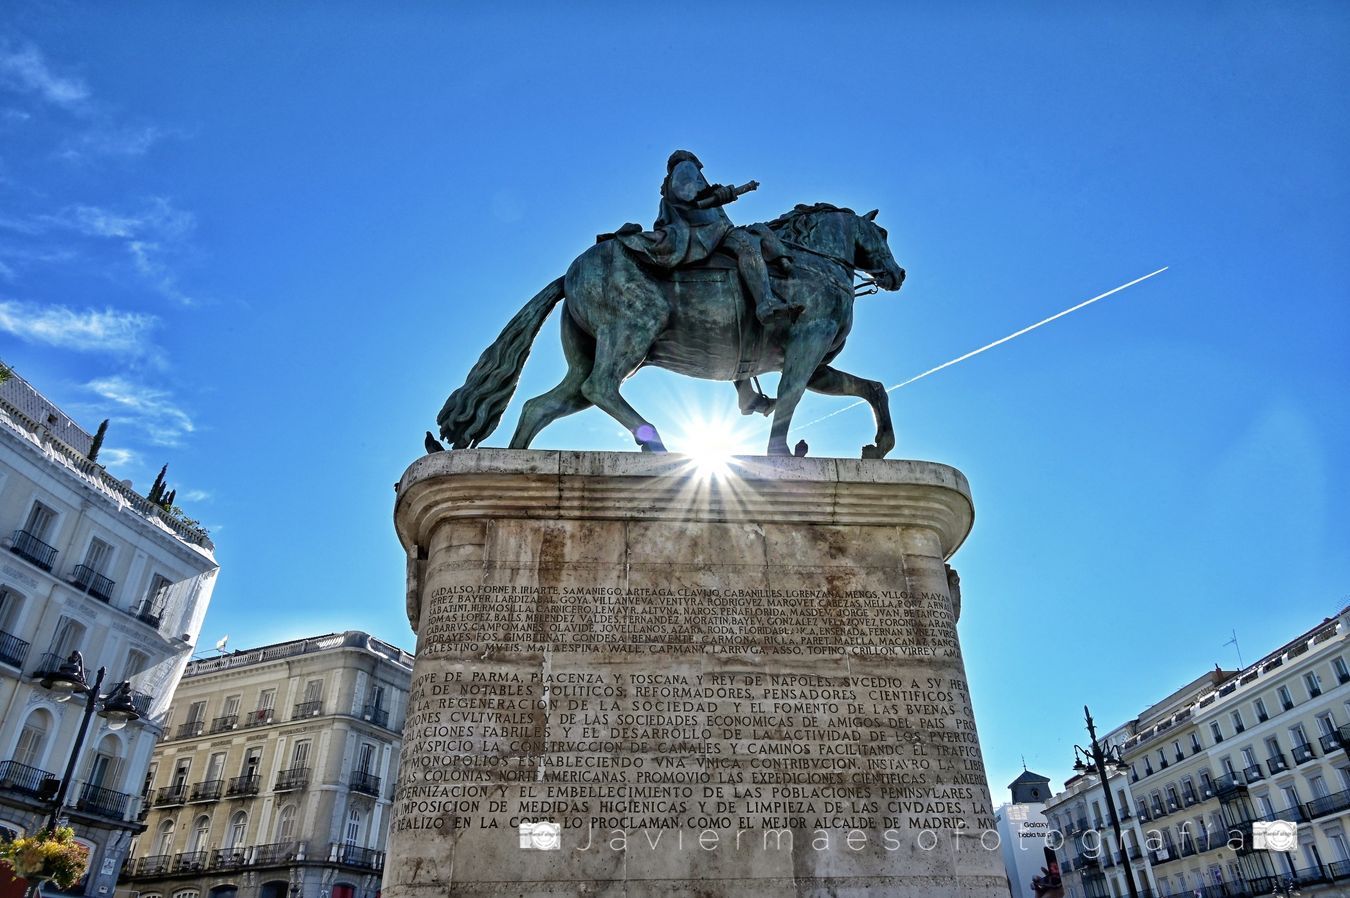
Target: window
[39,523]
[1342,847]
[1341,669]
[252,761]
[164,842]
[32,739]
[231,706]
[352,835]
[9,615]
[300,754]
[238,827]
[1272,747]
[215,768]
[201,831]
[1215,731]
[1266,806]
[137,662]
[1238,725]
[1313,682]
[267,700]
[1176,751]
[1261,713]
[1249,756]
[106,766]
[1206,784]
[69,636]
[1162,760]
[1318,785]
[285,824]
[1290,796]
[1326,724]
[156,598]
[313,690]
[363,763]
[98,558]
[1195,743]
[180,774]
[1297,735]
[1173,801]
[1226,763]
[1286,697]
[196,712]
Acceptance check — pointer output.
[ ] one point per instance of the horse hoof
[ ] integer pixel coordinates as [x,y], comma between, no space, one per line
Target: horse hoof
[872,452]
[654,446]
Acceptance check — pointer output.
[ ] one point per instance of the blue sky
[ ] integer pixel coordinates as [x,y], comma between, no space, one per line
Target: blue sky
[267,240]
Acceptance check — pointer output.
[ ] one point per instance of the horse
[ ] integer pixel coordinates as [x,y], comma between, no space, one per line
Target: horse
[619,315]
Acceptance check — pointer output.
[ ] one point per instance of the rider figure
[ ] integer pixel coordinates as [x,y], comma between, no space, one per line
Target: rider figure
[691,225]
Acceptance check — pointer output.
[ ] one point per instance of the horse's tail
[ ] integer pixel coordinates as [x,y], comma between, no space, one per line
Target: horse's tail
[472,412]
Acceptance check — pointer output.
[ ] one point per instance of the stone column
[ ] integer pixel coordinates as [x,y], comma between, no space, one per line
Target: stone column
[633,679]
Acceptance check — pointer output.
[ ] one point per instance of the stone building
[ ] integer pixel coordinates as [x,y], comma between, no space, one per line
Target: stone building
[1023,830]
[1211,766]
[88,565]
[276,777]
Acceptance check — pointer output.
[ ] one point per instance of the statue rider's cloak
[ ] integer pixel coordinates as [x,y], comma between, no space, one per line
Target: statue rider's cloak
[683,234]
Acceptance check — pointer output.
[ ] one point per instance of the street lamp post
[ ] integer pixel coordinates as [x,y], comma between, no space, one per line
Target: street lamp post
[1099,760]
[117,710]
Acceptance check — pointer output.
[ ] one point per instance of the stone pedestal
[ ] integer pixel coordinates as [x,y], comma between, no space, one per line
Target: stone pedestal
[742,686]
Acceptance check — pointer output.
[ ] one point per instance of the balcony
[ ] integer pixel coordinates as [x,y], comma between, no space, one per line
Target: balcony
[1329,804]
[294,778]
[104,802]
[376,715]
[365,782]
[277,853]
[29,547]
[92,582]
[153,865]
[142,701]
[351,856]
[189,861]
[1276,764]
[190,730]
[207,790]
[30,782]
[1228,784]
[1253,773]
[229,858]
[169,795]
[259,718]
[243,786]
[307,709]
[148,613]
[1330,742]
[13,650]
[1302,753]
[225,723]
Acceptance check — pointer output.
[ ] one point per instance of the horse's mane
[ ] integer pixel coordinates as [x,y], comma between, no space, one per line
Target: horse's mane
[797,224]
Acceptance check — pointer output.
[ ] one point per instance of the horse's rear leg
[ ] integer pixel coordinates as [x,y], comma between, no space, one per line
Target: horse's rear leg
[833,382]
[564,399]
[619,350]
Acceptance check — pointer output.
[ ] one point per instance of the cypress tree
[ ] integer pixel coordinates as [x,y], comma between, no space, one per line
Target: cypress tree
[97,444]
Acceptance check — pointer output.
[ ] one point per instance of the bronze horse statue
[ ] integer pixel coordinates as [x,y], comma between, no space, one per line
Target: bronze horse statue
[619,315]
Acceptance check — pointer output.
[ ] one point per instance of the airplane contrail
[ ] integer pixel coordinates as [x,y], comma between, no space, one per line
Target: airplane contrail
[998,342]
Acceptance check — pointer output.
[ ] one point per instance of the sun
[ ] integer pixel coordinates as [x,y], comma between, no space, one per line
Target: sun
[711,441]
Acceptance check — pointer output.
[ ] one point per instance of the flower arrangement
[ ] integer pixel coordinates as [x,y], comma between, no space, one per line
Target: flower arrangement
[48,854]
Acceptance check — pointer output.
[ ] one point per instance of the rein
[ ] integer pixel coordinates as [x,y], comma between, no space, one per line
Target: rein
[864,288]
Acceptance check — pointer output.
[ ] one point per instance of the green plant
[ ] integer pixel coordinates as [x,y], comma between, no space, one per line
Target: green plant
[53,855]
[97,444]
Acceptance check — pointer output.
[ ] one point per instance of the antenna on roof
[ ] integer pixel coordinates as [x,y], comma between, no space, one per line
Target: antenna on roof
[1234,643]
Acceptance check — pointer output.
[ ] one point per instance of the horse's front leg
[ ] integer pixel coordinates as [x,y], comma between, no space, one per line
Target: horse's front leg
[833,382]
[806,348]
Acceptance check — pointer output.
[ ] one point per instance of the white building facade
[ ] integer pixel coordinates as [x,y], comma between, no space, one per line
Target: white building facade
[87,565]
[1216,764]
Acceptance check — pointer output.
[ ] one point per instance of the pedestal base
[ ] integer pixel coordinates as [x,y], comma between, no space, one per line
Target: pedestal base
[635,680]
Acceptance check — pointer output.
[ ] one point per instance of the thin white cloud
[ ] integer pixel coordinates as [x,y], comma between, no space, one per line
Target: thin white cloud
[197,496]
[6,272]
[24,69]
[148,408]
[87,330]
[134,140]
[117,458]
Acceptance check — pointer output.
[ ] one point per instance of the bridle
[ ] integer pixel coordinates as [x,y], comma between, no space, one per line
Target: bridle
[865,287]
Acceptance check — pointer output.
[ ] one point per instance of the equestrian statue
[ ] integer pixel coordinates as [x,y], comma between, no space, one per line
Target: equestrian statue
[699,296]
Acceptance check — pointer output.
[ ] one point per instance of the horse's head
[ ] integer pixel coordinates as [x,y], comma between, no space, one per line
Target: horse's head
[872,255]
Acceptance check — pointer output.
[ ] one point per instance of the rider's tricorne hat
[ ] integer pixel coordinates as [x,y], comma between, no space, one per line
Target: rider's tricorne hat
[681,156]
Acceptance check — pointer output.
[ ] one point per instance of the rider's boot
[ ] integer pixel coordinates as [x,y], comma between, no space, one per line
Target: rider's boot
[755,274]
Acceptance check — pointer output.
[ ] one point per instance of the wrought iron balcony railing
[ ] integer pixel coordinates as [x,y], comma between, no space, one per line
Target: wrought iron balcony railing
[1277,764]
[148,613]
[92,582]
[229,858]
[13,650]
[28,546]
[294,778]
[207,790]
[1329,804]
[1330,742]
[352,856]
[104,802]
[168,795]
[190,729]
[189,861]
[277,853]
[1303,753]
[224,723]
[152,865]
[32,782]
[260,717]
[365,782]
[1253,773]
[244,785]
[376,715]
[307,709]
